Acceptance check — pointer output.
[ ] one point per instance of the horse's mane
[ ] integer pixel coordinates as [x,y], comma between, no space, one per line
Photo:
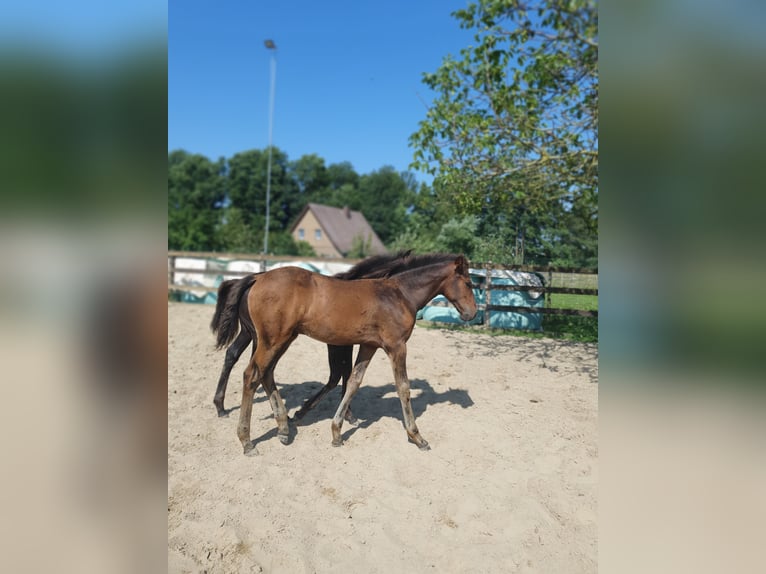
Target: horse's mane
[422,266]
[379,266]
[419,261]
[376,266]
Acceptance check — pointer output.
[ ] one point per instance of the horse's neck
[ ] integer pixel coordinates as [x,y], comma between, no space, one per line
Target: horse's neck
[419,286]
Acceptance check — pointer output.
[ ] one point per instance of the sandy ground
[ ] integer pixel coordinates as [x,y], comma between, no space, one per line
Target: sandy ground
[510,484]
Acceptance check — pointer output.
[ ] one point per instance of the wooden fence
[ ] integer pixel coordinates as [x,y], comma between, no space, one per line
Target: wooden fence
[548,288]
[548,272]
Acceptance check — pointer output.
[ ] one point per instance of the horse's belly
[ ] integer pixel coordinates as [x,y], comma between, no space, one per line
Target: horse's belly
[341,335]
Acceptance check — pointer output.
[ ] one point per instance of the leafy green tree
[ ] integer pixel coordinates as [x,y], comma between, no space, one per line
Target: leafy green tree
[246,186]
[418,241]
[312,180]
[340,174]
[424,221]
[458,235]
[384,196]
[347,194]
[513,128]
[196,193]
[282,243]
[496,248]
[235,235]
[336,185]
[360,247]
[247,178]
[304,249]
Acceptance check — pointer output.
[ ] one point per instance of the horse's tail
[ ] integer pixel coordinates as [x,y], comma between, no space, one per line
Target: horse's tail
[226,320]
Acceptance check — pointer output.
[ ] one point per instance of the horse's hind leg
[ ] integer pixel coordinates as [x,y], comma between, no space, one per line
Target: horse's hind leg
[250,381]
[269,359]
[399,363]
[362,360]
[339,359]
[233,354]
[277,406]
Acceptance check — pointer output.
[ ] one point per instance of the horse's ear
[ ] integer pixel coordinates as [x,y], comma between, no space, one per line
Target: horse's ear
[461,265]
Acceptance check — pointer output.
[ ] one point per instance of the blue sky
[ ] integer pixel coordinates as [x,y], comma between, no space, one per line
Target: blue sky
[83,29]
[348,76]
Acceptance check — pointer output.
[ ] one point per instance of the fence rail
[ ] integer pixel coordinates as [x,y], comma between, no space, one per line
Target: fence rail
[487,284]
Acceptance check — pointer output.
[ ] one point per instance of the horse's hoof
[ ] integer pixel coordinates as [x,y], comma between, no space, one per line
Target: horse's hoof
[284,438]
[352,420]
[250,450]
[223,414]
[337,443]
[422,444]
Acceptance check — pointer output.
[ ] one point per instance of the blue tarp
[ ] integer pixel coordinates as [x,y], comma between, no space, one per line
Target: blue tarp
[497,319]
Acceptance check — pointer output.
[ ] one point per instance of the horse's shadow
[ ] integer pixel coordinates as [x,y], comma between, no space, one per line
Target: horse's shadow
[369,405]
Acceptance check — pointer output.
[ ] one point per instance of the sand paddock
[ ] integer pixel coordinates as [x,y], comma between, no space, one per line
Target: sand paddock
[510,484]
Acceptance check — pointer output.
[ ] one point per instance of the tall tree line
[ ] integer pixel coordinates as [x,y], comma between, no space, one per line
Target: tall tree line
[221,205]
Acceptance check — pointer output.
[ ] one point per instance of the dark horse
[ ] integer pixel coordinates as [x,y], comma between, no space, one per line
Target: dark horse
[231,312]
[373,313]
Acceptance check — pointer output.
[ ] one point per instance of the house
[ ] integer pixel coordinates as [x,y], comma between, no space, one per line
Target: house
[332,231]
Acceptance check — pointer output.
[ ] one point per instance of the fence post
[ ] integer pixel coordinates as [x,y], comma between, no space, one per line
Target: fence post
[487,291]
[547,288]
[172,271]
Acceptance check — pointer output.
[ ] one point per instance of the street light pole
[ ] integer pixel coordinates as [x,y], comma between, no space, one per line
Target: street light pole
[272,47]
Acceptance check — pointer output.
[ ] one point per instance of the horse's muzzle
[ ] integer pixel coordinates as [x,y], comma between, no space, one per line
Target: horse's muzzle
[467,315]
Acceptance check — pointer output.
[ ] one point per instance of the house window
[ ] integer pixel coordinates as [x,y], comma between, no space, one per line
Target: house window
[318,234]
[300,234]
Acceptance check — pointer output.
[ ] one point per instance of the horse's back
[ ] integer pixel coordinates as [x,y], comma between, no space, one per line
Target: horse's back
[280,293]
[292,276]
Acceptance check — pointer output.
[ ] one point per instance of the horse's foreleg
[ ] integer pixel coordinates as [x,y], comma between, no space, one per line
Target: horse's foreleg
[250,381]
[233,354]
[344,364]
[362,360]
[399,364]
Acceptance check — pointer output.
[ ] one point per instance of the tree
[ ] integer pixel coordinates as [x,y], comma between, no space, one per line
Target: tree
[311,178]
[247,182]
[384,196]
[282,243]
[196,194]
[339,183]
[246,186]
[458,236]
[360,247]
[513,128]
[235,235]
[340,174]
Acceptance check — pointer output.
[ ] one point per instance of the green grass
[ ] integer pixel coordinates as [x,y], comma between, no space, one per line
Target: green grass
[572,328]
[580,329]
[583,302]
[576,329]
